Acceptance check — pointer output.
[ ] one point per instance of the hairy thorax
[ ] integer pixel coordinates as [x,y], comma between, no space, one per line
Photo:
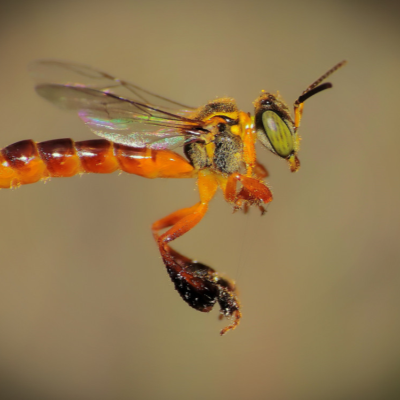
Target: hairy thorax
[222,150]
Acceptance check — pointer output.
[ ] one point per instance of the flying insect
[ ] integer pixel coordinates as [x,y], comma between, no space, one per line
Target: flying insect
[138,134]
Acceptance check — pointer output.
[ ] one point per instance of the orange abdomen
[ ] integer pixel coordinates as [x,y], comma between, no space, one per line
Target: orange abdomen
[28,162]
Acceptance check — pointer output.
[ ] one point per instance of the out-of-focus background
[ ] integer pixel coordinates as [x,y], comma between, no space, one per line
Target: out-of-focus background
[87,310]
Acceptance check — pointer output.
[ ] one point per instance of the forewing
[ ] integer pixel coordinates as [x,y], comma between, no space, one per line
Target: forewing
[123,120]
[71,74]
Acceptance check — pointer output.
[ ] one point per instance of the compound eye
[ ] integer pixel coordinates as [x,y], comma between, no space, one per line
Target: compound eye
[279,136]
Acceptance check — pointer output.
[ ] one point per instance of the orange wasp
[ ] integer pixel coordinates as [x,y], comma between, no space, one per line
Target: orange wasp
[139,132]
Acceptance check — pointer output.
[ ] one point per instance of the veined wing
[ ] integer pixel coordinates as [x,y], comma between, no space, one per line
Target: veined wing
[122,120]
[71,74]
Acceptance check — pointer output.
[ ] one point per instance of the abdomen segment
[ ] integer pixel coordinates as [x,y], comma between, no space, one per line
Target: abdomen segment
[29,162]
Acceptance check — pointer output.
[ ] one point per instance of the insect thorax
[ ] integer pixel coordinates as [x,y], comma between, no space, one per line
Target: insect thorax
[224,154]
[221,150]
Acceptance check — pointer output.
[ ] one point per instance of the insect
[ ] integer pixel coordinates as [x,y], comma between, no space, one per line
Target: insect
[139,132]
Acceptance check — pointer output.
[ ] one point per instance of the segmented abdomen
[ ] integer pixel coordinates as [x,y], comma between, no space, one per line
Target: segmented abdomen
[28,162]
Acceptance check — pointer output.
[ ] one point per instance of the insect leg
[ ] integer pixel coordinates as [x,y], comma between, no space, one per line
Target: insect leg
[199,285]
[259,192]
[253,191]
[260,171]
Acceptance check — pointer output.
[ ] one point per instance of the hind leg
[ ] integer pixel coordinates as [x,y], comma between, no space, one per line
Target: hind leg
[199,285]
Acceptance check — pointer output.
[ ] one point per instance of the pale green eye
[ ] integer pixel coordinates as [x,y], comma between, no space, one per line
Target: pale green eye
[278,134]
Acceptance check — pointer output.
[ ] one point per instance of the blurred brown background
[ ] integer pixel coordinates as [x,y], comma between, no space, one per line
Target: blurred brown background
[87,310]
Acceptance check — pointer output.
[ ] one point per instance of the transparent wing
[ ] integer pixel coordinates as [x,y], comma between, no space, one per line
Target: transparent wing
[71,74]
[122,120]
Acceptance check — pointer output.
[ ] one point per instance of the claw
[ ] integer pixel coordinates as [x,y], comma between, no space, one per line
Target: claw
[234,324]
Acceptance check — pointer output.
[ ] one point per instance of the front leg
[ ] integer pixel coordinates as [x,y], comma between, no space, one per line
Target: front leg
[253,192]
[199,285]
[244,199]
[260,172]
